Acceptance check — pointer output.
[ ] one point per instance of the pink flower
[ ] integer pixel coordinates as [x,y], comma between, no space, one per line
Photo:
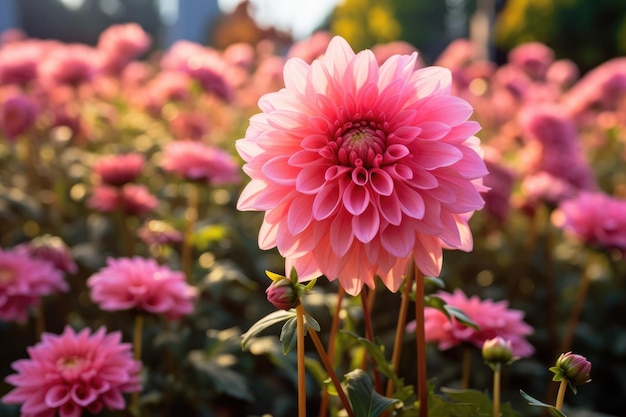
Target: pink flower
[157,232]
[118,170]
[534,58]
[361,168]
[594,218]
[70,64]
[310,48]
[197,162]
[19,60]
[493,318]
[71,372]
[143,284]
[120,44]
[52,249]
[133,199]
[23,281]
[500,181]
[17,114]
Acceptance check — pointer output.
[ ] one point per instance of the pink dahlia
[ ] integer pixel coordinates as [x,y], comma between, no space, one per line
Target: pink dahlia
[52,249]
[594,218]
[120,44]
[494,318]
[197,162]
[17,114]
[118,170]
[362,168]
[71,372]
[133,199]
[143,284]
[23,281]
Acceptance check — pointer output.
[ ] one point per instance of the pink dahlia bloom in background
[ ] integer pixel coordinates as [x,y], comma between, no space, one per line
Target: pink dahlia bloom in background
[117,170]
[361,168]
[69,64]
[534,58]
[120,44]
[157,232]
[195,161]
[500,181]
[52,249]
[494,318]
[133,199]
[310,48]
[73,372]
[594,218]
[19,61]
[142,284]
[23,281]
[17,114]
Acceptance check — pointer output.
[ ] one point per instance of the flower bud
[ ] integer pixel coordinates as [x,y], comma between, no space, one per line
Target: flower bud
[572,367]
[497,350]
[283,294]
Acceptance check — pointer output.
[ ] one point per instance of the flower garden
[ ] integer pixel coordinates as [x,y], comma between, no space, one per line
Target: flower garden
[325,232]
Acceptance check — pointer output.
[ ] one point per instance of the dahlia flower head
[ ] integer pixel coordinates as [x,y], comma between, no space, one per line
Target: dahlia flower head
[52,249]
[18,113]
[120,44]
[132,199]
[117,170]
[19,61]
[361,168]
[494,318]
[593,218]
[195,161]
[142,284]
[73,372]
[23,281]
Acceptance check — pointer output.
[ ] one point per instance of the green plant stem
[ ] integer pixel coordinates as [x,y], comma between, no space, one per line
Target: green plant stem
[191,216]
[420,338]
[496,389]
[561,395]
[574,315]
[369,334]
[331,373]
[466,367]
[137,341]
[397,344]
[301,369]
[330,352]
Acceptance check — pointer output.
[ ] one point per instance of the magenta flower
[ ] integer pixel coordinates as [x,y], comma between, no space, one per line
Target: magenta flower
[134,199]
[142,284]
[52,249]
[493,318]
[534,58]
[118,170]
[361,168]
[120,44]
[71,372]
[23,281]
[19,61]
[69,64]
[17,114]
[197,162]
[594,218]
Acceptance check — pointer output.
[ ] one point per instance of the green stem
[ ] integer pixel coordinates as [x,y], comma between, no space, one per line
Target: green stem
[331,373]
[420,337]
[496,389]
[330,352]
[466,367]
[397,344]
[191,216]
[369,334]
[137,342]
[561,395]
[301,369]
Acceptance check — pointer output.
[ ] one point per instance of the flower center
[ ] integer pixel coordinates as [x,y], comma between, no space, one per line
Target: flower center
[7,276]
[71,362]
[360,144]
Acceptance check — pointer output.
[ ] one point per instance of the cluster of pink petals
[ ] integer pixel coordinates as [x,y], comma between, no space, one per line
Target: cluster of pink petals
[361,168]
[17,114]
[203,64]
[534,58]
[19,62]
[195,161]
[133,199]
[119,44]
[157,232]
[500,181]
[73,372]
[69,64]
[23,281]
[117,170]
[142,284]
[594,218]
[52,249]
[493,318]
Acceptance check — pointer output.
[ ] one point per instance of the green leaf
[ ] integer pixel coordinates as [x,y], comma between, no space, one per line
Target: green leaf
[274,276]
[309,321]
[289,335]
[535,402]
[437,282]
[460,316]
[267,321]
[365,401]
[480,400]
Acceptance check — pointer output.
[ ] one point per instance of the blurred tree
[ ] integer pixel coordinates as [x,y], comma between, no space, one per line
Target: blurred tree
[588,32]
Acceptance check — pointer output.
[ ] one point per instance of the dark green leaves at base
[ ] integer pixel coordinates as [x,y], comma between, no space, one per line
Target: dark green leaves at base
[533,401]
[365,401]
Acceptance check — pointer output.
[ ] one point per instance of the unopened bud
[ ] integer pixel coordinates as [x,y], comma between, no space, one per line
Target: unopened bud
[497,350]
[572,367]
[283,294]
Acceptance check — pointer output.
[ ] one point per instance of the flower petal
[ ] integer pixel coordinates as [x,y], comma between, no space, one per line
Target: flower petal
[366,224]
